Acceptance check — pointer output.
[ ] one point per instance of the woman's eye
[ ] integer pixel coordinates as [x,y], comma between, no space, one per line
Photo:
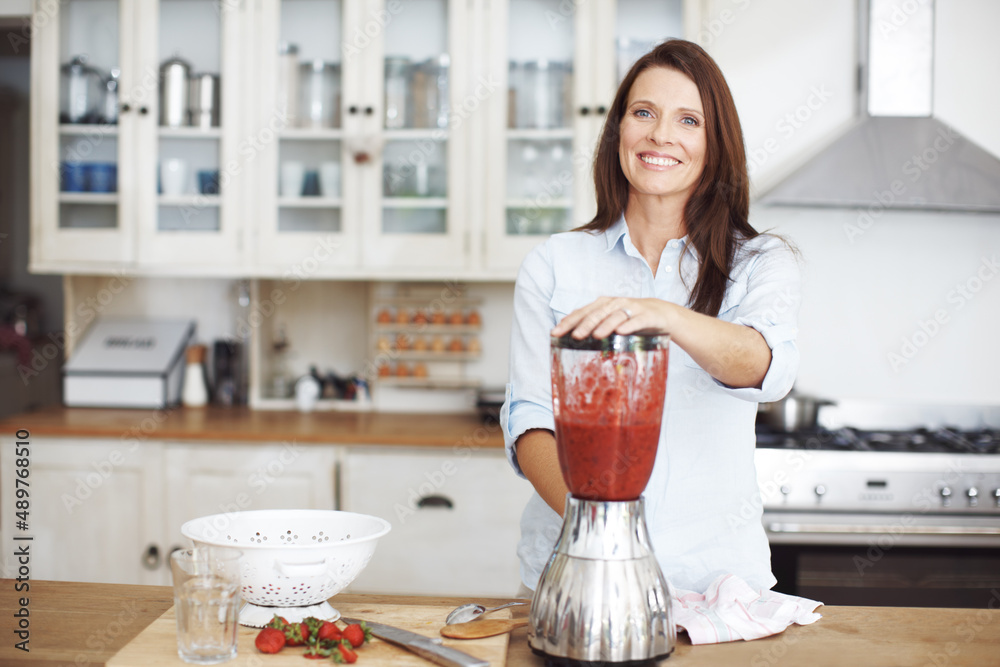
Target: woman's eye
[690,120]
[643,113]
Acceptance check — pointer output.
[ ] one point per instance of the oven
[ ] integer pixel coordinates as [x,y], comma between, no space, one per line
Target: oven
[875,518]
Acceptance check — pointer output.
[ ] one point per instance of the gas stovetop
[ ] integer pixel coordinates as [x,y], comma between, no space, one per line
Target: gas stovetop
[941,441]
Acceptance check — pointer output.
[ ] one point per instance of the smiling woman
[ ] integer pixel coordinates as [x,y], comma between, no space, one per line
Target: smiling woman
[670,250]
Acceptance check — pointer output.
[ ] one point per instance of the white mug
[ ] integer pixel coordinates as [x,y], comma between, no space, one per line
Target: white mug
[307,391]
[329,179]
[293,176]
[173,176]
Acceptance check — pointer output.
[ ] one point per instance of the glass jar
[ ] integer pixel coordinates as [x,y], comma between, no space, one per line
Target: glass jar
[82,92]
[398,92]
[320,94]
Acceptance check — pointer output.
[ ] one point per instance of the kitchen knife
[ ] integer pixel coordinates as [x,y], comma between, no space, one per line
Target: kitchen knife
[425,647]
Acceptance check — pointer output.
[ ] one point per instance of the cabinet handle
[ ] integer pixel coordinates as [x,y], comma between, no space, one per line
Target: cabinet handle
[353,109]
[125,107]
[143,111]
[601,111]
[584,111]
[435,501]
[369,111]
[151,559]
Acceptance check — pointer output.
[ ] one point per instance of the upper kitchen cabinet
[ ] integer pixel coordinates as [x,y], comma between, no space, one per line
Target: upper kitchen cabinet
[136,113]
[559,63]
[367,174]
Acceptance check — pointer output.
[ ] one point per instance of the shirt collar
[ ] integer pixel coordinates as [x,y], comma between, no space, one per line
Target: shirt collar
[619,230]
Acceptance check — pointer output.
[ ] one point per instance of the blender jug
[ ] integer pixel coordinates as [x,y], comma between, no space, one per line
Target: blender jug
[602,598]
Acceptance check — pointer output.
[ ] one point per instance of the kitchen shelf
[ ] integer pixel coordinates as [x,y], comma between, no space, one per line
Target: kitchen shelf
[415,202]
[189,133]
[309,133]
[412,355]
[306,201]
[189,200]
[415,134]
[88,197]
[422,329]
[541,135]
[538,203]
[96,128]
[431,382]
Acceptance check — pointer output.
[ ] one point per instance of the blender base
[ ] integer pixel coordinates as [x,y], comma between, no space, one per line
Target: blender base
[558,661]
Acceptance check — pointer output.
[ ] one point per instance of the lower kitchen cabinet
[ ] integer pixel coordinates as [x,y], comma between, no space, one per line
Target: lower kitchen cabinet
[111,510]
[455,517]
[95,510]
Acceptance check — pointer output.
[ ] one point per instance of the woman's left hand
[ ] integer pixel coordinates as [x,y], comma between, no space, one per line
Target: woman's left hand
[616,314]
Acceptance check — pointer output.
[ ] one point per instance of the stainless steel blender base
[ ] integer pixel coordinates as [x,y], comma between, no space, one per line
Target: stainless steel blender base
[602,597]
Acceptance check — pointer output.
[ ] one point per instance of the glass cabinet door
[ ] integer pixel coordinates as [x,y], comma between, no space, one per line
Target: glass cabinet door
[186,147]
[305,189]
[421,73]
[78,172]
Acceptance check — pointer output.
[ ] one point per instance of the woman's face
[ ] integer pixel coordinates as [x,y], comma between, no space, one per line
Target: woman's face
[663,140]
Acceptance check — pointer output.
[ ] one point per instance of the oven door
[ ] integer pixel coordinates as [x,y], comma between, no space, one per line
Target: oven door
[886,559]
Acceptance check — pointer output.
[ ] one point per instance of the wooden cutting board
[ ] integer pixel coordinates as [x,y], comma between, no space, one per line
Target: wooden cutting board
[156,646]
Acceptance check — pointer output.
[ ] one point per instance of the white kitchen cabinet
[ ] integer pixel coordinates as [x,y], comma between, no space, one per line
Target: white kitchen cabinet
[395,201]
[560,63]
[449,136]
[96,200]
[455,519]
[95,510]
[111,510]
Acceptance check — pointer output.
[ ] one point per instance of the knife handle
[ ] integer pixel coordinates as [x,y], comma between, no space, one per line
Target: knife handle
[445,655]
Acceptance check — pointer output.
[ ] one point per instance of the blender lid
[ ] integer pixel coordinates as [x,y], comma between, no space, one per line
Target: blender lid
[639,341]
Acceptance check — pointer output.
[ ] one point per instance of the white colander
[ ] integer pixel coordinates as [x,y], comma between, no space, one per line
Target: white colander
[293,560]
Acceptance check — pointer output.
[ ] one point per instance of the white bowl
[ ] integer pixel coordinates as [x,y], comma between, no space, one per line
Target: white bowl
[293,560]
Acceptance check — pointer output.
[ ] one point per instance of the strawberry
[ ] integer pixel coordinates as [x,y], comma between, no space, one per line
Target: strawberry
[278,622]
[317,652]
[297,634]
[328,632]
[269,640]
[346,654]
[357,634]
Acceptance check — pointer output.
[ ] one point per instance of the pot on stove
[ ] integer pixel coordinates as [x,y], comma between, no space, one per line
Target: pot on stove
[795,412]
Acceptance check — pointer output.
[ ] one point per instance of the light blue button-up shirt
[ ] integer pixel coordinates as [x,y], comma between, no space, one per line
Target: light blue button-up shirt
[702,503]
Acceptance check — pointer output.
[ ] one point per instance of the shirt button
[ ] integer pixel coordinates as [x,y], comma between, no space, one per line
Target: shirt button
[667,268]
[674,243]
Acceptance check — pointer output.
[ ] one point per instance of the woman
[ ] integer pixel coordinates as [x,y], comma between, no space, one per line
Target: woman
[670,250]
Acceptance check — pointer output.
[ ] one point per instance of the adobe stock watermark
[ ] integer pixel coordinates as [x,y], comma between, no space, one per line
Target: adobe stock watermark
[362,36]
[712,28]
[787,126]
[913,169]
[963,292]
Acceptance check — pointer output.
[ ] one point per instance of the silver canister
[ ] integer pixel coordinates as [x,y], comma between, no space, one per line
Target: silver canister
[205,97]
[320,94]
[174,74]
[82,92]
[111,96]
[398,92]
[287,97]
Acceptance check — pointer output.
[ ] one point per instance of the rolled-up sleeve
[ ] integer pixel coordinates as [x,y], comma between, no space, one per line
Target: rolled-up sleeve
[770,304]
[528,403]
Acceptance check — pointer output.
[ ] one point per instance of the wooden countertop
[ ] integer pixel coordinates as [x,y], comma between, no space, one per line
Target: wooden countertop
[86,624]
[245,425]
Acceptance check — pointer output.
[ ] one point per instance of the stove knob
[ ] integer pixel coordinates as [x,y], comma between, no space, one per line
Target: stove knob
[820,490]
[945,495]
[973,495]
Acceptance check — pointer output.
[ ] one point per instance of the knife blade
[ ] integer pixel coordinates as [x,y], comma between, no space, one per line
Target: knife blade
[425,647]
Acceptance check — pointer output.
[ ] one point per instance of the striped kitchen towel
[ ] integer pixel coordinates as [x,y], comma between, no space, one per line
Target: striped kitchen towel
[731,610]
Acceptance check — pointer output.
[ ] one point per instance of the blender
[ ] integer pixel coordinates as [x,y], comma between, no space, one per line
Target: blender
[602,598]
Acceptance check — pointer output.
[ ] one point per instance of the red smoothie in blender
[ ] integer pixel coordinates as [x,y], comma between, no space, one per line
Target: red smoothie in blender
[608,407]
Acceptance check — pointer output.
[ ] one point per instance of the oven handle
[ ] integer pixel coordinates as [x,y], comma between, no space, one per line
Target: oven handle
[853,529]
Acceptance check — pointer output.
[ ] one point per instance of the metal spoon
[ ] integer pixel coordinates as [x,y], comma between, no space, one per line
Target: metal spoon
[472,611]
[485,628]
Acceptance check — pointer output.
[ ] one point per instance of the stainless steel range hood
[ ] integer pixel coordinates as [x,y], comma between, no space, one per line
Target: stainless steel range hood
[897,155]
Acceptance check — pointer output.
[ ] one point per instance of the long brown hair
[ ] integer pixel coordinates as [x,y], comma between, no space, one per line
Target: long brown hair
[716,213]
